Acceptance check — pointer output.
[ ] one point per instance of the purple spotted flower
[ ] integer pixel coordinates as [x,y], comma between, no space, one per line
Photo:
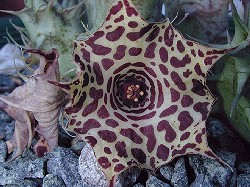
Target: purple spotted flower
[140,96]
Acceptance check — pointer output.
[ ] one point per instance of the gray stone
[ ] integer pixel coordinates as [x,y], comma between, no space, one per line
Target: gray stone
[218,174]
[77,146]
[64,163]
[52,181]
[138,185]
[154,182]
[179,177]
[29,167]
[7,129]
[195,161]
[128,177]
[243,180]
[201,181]
[167,171]
[244,168]
[3,151]
[89,168]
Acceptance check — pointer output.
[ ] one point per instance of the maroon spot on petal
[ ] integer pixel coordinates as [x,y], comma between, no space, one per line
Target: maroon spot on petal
[119,19]
[107,63]
[133,51]
[115,160]
[116,34]
[98,73]
[150,71]
[79,62]
[72,122]
[107,135]
[162,152]
[78,123]
[114,10]
[150,50]
[186,101]
[122,67]
[189,43]
[139,64]
[120,52]
[112,123]
[187,73]
[130,10]
[119,168]
[198,71]
[178,81]
[104,162]
[107,150]
[90,108]
[95,94]
[169,111]
[193,52]
[153,34]
[175,62]
[133,36]
[91,140]
[144,117]
[121,117]
[88,125]
[132,135]
[112,103]
[100,49]
[170,134]
[152,162]
[135,125]
[103,112]
[198,88]
[169,36]
[198,138]
[180,46]
[185,120]
[148,131]
[132,24]
[200,53]
[85,55]
[139,155]
[160,94]
[108,27]
[185,136]
[166,82]
[109,84]
[202,107]
[184,149]
[210,60]
[121,149]
[163,69]
[163,54]
[175,95]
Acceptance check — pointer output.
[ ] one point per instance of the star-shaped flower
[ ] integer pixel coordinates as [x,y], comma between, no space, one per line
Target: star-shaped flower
[140,96]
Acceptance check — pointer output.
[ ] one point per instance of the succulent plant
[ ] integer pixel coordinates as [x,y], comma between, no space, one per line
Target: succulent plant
[140,95]
[50,24]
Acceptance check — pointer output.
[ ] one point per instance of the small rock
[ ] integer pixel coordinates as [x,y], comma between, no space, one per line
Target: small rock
[64,163]
[167,171]
[218,174]
[201,180]
[89,168]
[3,151]
[244,168]
[7,129]
[77,146]
[243,180]
[195,161]
[128,177]
[29,167]
[179,177]
[154,182]
[52,181]
[138,185]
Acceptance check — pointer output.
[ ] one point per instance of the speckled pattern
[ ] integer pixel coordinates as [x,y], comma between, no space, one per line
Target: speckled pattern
[168,120]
